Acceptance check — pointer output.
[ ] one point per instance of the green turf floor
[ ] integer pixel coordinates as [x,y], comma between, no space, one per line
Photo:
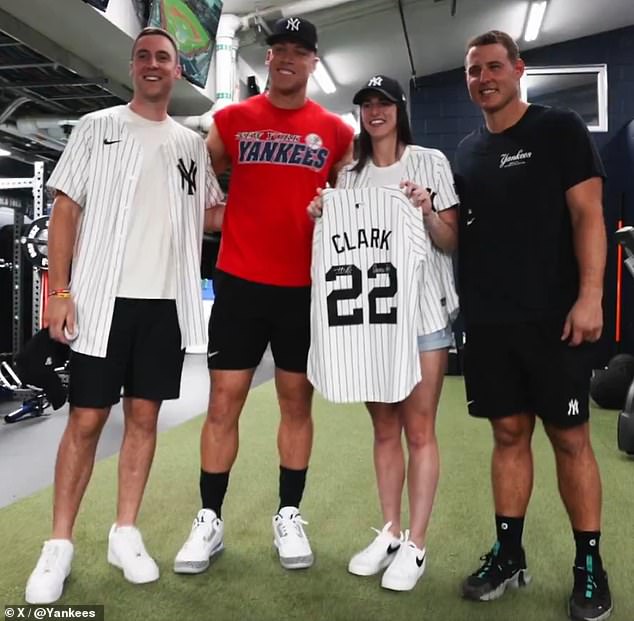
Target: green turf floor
[247,583]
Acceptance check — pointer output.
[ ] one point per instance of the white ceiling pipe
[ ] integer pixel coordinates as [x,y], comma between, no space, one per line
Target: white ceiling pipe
[226,60]
[199,124]
[32,124]
[12,107]
[51,143]
[226,57]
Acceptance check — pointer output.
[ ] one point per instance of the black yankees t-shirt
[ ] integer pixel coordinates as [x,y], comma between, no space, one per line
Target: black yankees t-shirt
[516,256]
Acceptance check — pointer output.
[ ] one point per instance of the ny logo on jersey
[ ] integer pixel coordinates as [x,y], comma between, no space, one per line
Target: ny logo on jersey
[375,81]
[188,176]
[292,24]
[573,407]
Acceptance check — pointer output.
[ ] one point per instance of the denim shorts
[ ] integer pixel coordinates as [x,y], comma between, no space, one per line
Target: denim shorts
[441,339]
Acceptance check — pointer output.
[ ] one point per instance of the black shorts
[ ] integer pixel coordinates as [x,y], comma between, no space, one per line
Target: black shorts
[247,316]
[526,368]
[144,356]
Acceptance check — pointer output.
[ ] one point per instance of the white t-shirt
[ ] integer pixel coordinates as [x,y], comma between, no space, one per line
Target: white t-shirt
[148,266]
[388,176]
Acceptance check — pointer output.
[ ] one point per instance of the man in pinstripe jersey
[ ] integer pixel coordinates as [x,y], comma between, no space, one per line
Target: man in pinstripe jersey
[131,188]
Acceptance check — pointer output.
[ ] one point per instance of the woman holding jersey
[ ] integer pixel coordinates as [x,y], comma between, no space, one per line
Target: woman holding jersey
[388,157]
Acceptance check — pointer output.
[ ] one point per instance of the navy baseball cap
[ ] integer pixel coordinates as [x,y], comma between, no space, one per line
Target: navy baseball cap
[295,29]
[388,87]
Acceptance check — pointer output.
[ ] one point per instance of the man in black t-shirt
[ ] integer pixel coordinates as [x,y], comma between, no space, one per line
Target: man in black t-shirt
[531,263]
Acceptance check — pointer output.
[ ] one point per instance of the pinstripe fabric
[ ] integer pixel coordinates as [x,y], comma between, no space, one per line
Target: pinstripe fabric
[428,168]
[102,179]
[376,357]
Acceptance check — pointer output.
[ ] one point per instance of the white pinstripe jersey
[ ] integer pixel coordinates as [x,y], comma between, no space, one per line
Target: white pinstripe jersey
[368,251]
[430,169]
[99,170]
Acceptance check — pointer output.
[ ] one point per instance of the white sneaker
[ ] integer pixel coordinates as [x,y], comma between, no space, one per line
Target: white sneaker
[127,552]
[378,555]
[205,541]
[290,539]
[407,567]
[46,582]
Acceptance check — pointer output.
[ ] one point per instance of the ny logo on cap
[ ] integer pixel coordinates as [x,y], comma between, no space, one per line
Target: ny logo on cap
[292,24]
[375,81]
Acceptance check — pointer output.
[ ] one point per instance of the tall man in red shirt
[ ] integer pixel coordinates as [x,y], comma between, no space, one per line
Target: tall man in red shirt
[281,147]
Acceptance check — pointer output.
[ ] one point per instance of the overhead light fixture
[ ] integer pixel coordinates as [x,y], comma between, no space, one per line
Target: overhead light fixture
[4,153]
[350,119]
[534,20]
[323,79]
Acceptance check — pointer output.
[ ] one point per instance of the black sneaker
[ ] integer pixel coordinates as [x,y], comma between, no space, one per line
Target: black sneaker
[496,574]
[590,599]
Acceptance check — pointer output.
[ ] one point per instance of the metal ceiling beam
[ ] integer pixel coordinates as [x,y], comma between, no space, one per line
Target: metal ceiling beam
[407,42]
[31,157]
[104,95]
[39,99]
[54,83]
[43,101]
[28,66]
[12,107]
[53,51]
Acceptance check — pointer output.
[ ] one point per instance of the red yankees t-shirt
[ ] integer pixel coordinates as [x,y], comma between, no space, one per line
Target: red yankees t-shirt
[279,158]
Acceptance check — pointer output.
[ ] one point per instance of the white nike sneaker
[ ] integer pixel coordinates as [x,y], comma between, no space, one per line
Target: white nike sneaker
[46,582]
[378,555]
[290,539]
[406,568]
[205,541]
[127,552]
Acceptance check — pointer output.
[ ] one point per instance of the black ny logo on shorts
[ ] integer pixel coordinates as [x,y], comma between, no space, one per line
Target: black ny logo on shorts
[188,176]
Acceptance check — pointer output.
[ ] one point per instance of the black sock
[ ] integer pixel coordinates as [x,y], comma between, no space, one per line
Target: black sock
[509,532]
[587,543]
[213,487]
[292,483]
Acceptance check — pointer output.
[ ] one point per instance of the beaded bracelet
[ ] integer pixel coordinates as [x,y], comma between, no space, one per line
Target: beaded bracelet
[59,293]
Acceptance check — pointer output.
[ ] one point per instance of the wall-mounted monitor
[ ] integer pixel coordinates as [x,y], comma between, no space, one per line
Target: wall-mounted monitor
[194,24]
[100,4]
[583,89]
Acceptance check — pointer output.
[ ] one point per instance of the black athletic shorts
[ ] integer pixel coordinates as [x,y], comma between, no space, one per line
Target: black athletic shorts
[526,368]
[247,316]
[144,357]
